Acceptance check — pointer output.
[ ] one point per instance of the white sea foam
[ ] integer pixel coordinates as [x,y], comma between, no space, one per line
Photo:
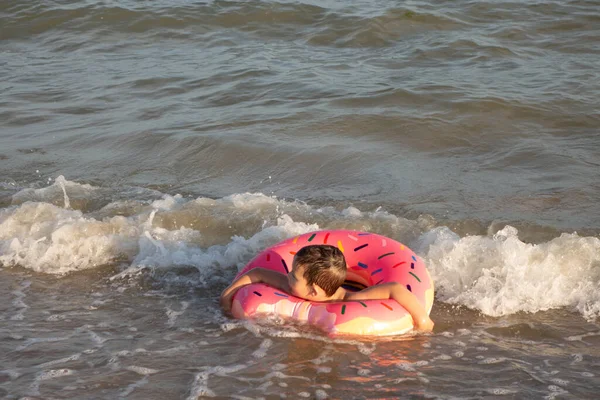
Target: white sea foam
[141,370]
[34,388]
[261,352]
[501,275]
[57,193]
[501,391]
[200,387]
[47,238]
[73,357]
[497,274]
[55,373]
[130,388]
[173,315]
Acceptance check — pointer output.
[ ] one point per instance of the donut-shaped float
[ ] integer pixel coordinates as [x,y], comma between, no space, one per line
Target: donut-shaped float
[371,259]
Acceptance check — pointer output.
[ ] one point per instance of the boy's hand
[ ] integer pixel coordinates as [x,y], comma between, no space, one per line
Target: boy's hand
[227,299]
[424,325]
[403,296]
[256,275]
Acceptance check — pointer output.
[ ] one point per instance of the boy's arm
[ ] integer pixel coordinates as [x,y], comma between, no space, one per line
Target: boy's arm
[256,275]
[396,291]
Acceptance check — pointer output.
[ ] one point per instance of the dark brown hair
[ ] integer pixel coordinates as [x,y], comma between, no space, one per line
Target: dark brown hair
[324,266]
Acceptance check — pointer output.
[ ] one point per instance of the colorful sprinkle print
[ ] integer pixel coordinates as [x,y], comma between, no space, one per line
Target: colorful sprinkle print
[285,266]
[361,247]
[312,237]
[385,255]
[376,271]
[365,266]
[281,295]
[343,309]
[399,264]
[326,237]
[386,306]
[257,293]
[416,277]
[340,246]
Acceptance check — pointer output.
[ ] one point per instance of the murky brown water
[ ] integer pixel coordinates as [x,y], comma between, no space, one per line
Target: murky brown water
[149,150]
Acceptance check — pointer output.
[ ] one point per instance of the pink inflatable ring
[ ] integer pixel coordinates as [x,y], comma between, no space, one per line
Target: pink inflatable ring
[372,259]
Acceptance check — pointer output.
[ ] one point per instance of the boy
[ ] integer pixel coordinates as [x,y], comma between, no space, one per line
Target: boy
[317,274]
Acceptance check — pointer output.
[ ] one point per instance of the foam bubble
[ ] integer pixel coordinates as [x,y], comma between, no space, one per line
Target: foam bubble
[55,373]
[402,380]
[406,366]
[501,391]
[130,388]
[252,201]
[173,315]
[577,358]
[363,348]
[74,357]
[580,337]
[492,360]
[167,202]
[560,382]
[141,370]
[261,352]
[352,212]
[200,385]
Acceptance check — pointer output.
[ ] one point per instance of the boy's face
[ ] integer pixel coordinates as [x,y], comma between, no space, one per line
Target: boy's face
[300,287]
[297,282]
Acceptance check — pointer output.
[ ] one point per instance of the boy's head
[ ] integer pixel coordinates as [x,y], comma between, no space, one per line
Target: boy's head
[317,272]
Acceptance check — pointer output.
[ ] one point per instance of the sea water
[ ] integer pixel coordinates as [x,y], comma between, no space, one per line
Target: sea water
[149,150]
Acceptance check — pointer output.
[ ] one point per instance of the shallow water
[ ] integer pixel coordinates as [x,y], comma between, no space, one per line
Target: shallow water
[81,337]
[149,150]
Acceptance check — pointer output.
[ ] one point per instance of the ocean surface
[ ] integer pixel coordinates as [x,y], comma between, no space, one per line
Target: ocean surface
[150,149]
